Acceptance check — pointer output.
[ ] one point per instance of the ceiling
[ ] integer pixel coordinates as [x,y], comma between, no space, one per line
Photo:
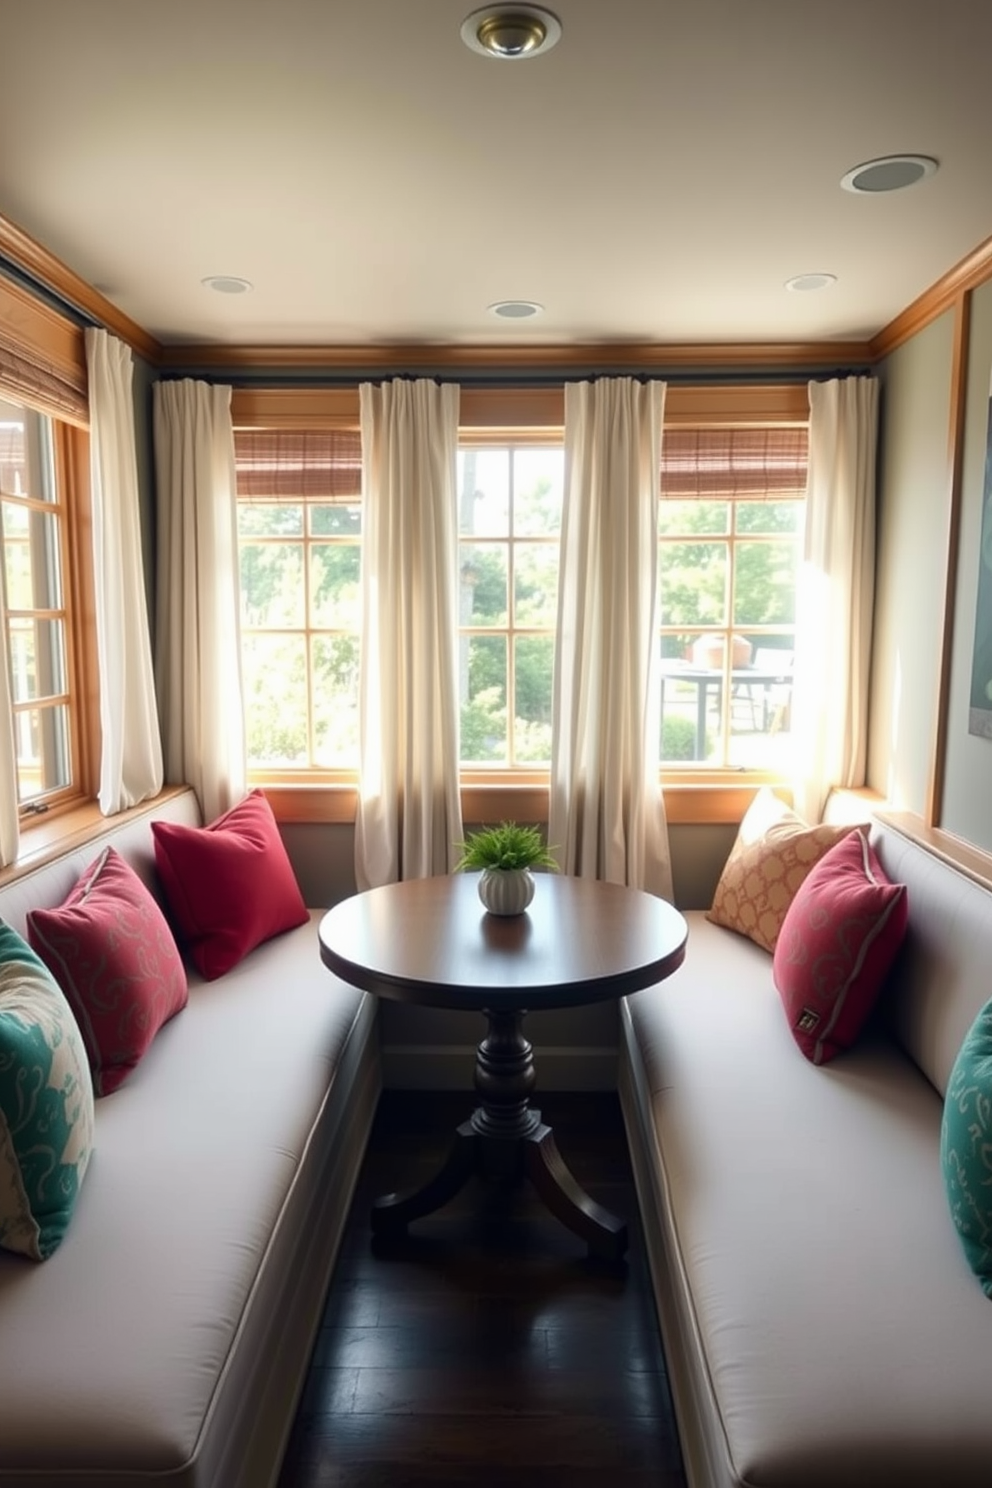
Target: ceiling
[655,178]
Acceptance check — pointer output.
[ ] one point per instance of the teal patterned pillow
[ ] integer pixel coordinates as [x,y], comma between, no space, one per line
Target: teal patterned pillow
[966,1146]
[46,1104]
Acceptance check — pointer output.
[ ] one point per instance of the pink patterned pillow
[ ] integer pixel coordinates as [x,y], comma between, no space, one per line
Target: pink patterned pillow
[111,951]
[837,943]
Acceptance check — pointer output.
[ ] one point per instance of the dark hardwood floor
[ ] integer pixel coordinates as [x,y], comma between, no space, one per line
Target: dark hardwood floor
[484,1348]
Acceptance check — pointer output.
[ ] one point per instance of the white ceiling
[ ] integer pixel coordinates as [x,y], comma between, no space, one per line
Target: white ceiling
[654,178]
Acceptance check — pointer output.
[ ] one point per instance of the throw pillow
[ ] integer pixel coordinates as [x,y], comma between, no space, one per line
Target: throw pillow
[966,1146]
[773,852]
[111,951]
[229,885]
[46,1104]
[838,940]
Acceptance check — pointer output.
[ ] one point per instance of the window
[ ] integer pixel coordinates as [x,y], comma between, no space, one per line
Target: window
[299,539]
[37,606]
[730,536]
[509,521]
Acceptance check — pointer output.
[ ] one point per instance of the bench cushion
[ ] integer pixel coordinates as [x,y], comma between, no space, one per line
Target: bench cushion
[824,1316]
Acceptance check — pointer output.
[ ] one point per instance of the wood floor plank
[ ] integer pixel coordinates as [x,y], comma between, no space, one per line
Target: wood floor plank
[484,1347]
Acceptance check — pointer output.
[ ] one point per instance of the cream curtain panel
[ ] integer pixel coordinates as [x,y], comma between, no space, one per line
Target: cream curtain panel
[607,813]
[836,592]
[198,643]
[10,832]
[131,752]
[409,806]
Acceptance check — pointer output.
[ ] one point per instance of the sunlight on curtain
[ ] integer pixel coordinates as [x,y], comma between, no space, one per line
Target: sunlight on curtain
[607,816]
[409,807]
[835,600]
[198,644]
[131,754]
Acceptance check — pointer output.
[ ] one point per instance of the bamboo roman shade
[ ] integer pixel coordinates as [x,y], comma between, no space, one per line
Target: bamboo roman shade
[298,464]
[42,357]
[734,464]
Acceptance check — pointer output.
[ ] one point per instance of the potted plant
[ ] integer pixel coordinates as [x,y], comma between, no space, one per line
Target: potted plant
[505,855]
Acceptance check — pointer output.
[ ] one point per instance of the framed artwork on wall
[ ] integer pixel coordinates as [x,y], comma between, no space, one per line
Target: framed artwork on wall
[980,711]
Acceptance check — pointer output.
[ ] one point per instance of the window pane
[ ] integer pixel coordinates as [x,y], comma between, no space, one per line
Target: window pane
[43,761]
[482,583]
[334,581]
[272,584]
[690,711]
[693,579]
[336,521]
[693,516]
[535,583]
[37,659]
[765,583]
[533,673]
[484,492]
[274,672]
[761,707]
[537,491]
[483,695]
[335,701]
[256,520]
[27,461]
[13,454]
[769,516]
[31,555]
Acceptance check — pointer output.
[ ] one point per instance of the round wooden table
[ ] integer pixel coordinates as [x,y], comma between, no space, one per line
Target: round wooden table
[430,941]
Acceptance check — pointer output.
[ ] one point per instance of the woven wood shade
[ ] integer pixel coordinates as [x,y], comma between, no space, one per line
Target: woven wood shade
[738,464]
[295,464]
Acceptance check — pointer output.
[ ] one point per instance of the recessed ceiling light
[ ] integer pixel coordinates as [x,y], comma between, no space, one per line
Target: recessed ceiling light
[511,31]
[888,173]
[804,282]
[515,309]
[226,284]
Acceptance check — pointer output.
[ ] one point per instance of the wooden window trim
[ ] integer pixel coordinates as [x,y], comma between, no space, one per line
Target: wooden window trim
[526,416]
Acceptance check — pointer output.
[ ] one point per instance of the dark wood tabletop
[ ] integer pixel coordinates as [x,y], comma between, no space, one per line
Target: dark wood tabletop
[430,941]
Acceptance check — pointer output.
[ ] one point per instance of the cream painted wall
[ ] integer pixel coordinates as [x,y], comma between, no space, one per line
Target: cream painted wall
[911,541]
[967,804]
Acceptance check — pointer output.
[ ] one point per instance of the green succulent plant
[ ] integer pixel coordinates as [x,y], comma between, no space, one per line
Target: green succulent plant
[507,846]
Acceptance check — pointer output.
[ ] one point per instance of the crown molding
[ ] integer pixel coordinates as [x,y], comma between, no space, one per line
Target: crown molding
[49,272]
[972,270]
[798,357]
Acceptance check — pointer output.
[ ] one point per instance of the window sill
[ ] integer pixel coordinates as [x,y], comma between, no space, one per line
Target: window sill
[686,803]
[71,827]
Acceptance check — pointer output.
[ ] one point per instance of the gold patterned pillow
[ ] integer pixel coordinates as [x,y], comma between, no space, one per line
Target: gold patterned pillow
[774,851]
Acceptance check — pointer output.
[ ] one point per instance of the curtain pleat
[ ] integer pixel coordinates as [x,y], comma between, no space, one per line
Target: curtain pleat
[198,643]
[409,807]
[835,598]
[131,752]
[607,814]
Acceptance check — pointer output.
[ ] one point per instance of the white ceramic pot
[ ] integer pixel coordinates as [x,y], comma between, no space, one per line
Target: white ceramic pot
[506,891]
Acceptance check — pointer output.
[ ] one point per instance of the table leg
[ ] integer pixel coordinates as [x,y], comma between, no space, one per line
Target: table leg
[603,1232]
[394,1211]
[505,1138]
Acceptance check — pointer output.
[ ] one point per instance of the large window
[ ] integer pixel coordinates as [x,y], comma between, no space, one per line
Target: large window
[729,544]
[510,501]
[299,536]
[729,547]
[36,606]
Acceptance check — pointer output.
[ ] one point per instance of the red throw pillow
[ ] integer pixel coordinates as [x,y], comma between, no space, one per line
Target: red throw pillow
[111,951]
[837,942]
[229,885]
